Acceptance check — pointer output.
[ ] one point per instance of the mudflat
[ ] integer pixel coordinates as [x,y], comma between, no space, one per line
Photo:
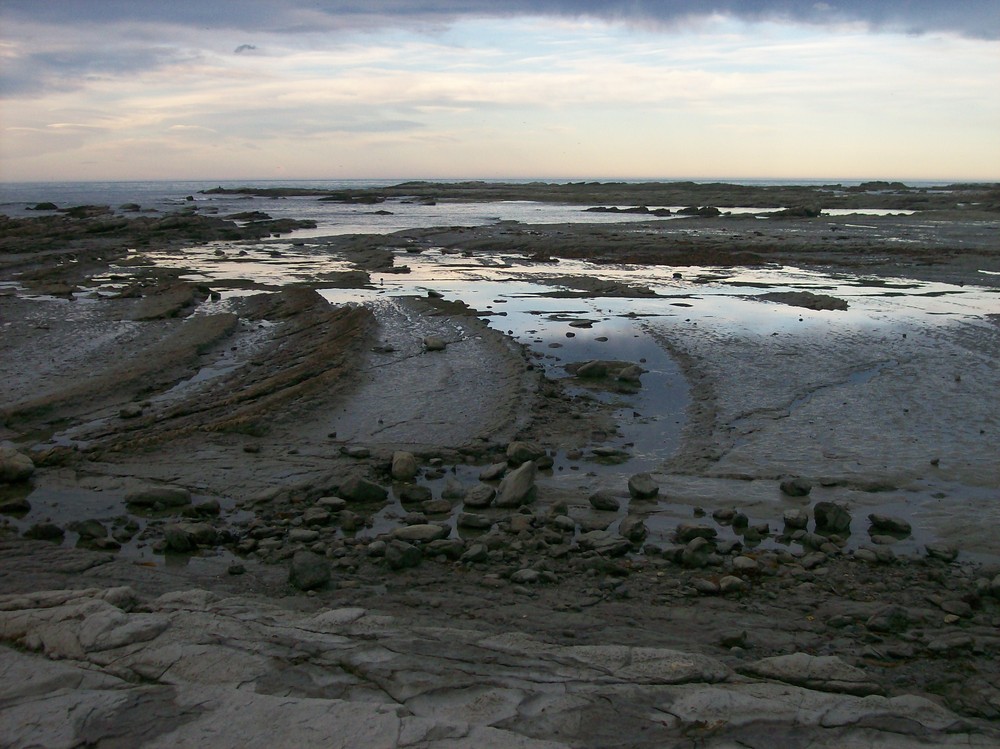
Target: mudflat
[389,525]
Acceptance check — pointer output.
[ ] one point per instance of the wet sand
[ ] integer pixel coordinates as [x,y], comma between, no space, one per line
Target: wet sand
[271,403]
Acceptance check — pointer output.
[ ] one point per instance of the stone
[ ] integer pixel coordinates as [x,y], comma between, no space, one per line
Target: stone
[308,571]
[89,530]
[151,495]
[186,537]
[476,553]
[453,489]
[603,543]
[525,577]
[724,515]
[480,495]
[316,516]
[332,504]
[473,521]
[796,518]
[422,532]
[592,370]
[436,507]
[493,472]
[404,466]
[400,555]
[957,607]
[45,532]
[890,525]
[15,506]
[634,529]
[632,373]
[302,535]
[705,586]
[795,487]
[825,673]
[942,551]
[891,618]
[433,343]
[832,518]
[518,487]
[522,452]
[14,465]
[452,548]
[732,584]
[686,531]
[642,486]
[604,501]
[696,553]
[411,493]
[359,489]
[745,564]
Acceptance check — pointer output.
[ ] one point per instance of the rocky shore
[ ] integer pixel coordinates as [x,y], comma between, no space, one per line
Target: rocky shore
[257,518]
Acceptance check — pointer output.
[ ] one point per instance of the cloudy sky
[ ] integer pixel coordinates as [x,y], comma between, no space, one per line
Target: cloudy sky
[328,89]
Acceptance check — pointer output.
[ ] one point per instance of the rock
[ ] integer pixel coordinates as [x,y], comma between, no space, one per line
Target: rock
[705,587]
[832,518]
[695,554]
[796,518]
[891,525]
[604,501]
[631,373]
[15,506]
[400,555]
[88,530]
[473,521]
[732,584]
[825,673]
[152,495]
[522,452]
[642,486]
[415,493]
[436,507]
[796,487]
[592,370]
[130,411]
[453,548]
[686,531]
[359,489]
[316,516]
[355,451]
[603,543]
[475,554]
[891,618]
[957,607]
[724,515]
[185,537]
[404,465]
[14,465]
[479,496]
[745,564]
[525,577]
[493,472]
[331,504]
[45,532]
[453,489]
[422,532]
[308,571]
[518,487]
[303,535]
[634,529]
[942,551]
[207,508]
[433,343]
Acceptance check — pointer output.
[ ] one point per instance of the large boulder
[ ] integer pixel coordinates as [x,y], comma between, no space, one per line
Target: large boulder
[831,518]
[14,465]
[518,487]
[522,452]
[404,465]
[642,486]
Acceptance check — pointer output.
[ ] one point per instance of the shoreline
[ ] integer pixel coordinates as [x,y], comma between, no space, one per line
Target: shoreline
[286,403]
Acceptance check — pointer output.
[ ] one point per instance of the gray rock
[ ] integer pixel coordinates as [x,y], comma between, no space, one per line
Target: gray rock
[45,532]
[14,465]
[518,487]
[412,493]
[825,673]
[480,495]
[473,521]
[604,501]
[696,553]
[603,543]
[433,343]
[831,518]
[891,618]
[152,495]
[592,370]
[522,452]
[404,465]
[796,518]
[745,564]
[303,535]
[453,489]
[632,373]
[453,548]
[422,533]
[796,487]
[493,472]
[436,507]
[355,451]
[316,516]
[942,551]
[642,486]
[686,531]
[400,555]
[185,537]
[957,607]
[732,584]
[308,571]
[705,586]
[89,530]
[634,529]
[476,553]
[14,506]
[891,525]
[332,504]
[359,489]
[525,577]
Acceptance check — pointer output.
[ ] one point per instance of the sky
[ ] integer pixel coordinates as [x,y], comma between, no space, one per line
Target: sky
[454,89]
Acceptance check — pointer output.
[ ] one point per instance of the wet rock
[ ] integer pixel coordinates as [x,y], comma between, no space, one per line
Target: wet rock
[308,571]
[359,489]
[890,618]
[592,370]
[152,495]
[404,465]
[603,543]
[302,535]
[493,472]
[687,531]
[14,506]
[400,555]
[634,529]
[433,343]
[631,374]
[696,552]
[436,507]
[745,564]
[186,537]
[642,486]
[525,577]
[518,487]
[473,521]
[421,532]
[604,501]
[891,525]
[942,551]
[88,530]
[479,496]
[724,515]
[45,532]
[825,673]
[316,516]
[475,554]
[14,465]
[453,489]
[331,504]
[796,518]
[831,518]
[412,493]
[522,452]
[796,487]
[452,548]
[732,584]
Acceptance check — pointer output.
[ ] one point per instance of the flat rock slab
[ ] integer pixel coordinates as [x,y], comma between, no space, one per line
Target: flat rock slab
[193,669]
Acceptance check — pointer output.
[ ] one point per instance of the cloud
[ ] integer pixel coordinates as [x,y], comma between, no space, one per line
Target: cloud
[974,18]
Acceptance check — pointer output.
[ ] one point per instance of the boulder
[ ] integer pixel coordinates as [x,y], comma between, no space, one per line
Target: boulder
[14,465]
[480,495]
[493,472]
[796,487]
[185,537]
[687,531]
[316,516]
[604,543]
[400,555]
[404,465]
[518,487]
[642,486]
[359,489]
[796,518]
[634,529]
[604,501]
[473,521]
[453,489]
[522,452]
[152,495]
[421,532]
[89,530]
[308,571]
[831,518]
[891,525]
[45,532]
[433,343]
